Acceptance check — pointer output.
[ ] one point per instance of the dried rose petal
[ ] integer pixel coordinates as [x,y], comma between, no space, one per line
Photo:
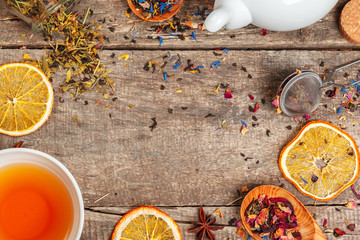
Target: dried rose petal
[257,107]
[275,200]
[228,94]
[324,222]
[352,205]
[276,103]
[275,218]
[264,31]
[351,227]
[251,97]
[356,194]
[338,232]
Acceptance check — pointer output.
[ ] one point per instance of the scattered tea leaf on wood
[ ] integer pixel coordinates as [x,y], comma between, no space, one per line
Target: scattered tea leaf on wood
[74,47]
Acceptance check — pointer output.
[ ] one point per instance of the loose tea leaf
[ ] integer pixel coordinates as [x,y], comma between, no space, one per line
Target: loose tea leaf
[151,8]
[272,218]
[77,52]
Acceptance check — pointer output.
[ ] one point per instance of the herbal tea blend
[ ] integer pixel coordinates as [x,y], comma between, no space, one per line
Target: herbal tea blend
[272,218]
[74,44]
[300,93]
[34,12]
[77,53]
[151,8]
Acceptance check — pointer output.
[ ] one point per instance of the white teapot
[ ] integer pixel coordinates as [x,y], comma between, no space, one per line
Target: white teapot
[277,15]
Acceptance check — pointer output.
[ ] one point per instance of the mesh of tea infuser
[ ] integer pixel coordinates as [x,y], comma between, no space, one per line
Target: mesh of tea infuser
[301,94]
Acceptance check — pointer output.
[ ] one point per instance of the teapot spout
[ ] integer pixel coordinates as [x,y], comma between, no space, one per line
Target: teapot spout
[216,20]
[231,14]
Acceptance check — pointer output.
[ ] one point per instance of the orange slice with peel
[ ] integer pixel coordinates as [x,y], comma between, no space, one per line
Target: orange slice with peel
[321,161]
[26,99]
[146,223]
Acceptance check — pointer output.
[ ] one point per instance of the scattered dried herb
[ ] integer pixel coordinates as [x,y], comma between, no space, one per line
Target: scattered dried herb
[268,132]
[324,223]
[18,145]
[338,232]
[151,8]
[314,178]
[34,9]
[153,125]
[205,226]
[228,94]
[272,217]
[351,227]
[353,190]
[352,205]
[264,32]
[76,51]
[209,115]
[256,107]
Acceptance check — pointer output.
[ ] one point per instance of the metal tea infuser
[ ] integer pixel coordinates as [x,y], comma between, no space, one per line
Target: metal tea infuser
[300,93]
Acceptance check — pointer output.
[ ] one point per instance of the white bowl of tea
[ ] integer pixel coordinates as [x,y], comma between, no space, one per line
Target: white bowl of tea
[39,198]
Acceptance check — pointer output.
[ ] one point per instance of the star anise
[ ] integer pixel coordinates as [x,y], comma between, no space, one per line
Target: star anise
[204,228]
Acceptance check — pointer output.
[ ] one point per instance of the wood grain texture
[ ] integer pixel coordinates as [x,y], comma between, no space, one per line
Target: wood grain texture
[308,227]
[100,221]
[110,14]
[186,159]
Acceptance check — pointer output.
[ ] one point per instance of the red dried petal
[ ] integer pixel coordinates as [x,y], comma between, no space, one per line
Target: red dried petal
[275,200]
[228,94]
[257,107]
[351,227]
[264,32]
[251,97]
[338,232]
[353,190]
[325,223]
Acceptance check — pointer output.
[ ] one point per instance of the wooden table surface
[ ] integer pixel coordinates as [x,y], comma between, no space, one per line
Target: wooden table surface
[186,161]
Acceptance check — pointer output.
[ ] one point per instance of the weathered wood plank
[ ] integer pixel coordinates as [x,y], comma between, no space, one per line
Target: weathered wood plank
[100,222]
[323,34]
[185,160]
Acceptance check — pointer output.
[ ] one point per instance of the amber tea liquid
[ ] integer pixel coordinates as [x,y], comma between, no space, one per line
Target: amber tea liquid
[34,204]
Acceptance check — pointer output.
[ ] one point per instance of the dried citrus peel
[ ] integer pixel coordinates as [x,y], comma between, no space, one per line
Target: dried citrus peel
[321,161]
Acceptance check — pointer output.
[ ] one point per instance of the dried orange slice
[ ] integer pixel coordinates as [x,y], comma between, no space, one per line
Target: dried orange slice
[146,223]
[26,99]
[321,161]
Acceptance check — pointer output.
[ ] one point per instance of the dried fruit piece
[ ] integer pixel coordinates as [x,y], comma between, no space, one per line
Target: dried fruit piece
[325,151]
[26,99]
[146,223]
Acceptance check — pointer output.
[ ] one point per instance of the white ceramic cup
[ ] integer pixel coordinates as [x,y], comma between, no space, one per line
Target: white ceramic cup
[24,155]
